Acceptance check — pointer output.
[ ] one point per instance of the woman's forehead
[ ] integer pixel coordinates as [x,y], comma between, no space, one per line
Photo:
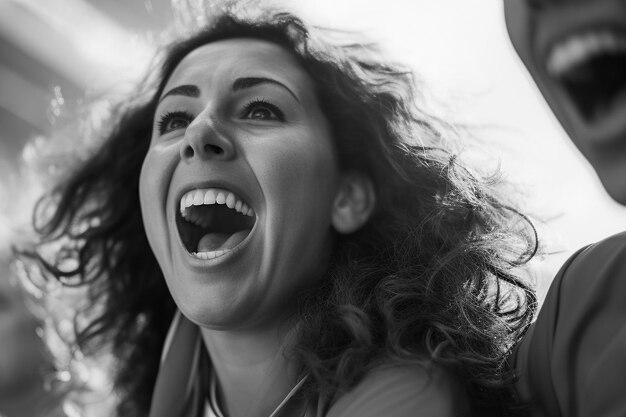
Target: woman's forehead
[232,58]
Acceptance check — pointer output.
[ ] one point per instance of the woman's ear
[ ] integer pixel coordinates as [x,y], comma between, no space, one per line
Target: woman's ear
[354,203]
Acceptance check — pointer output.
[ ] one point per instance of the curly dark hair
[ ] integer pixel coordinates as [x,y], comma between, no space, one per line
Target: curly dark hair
[434,276]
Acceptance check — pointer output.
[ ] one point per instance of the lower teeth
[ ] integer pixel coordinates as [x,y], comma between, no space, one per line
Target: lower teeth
[210,254]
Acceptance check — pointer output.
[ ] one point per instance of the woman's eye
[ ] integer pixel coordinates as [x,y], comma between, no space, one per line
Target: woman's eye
[171,121]
[262,110]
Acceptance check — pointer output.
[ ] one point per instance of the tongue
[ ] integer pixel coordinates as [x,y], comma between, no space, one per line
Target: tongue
[221,241]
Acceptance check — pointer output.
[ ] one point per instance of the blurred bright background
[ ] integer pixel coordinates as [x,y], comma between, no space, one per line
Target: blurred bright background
[53,52]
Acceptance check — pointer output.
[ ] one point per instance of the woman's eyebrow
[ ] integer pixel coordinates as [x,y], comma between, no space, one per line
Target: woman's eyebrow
[188,90]
[247,82]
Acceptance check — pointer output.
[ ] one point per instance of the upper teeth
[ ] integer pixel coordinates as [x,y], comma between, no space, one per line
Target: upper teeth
[212,196]
[579,48]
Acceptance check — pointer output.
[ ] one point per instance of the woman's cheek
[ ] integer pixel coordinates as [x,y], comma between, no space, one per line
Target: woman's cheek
[154,181]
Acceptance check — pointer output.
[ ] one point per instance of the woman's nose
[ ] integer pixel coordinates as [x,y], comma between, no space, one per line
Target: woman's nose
[204,140]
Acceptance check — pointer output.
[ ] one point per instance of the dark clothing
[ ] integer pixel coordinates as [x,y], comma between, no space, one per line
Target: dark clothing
[572,362]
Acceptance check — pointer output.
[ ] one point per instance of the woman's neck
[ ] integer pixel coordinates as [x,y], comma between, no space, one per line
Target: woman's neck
[253,372]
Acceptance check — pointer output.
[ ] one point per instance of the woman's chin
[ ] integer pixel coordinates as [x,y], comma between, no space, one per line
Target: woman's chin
[215,313]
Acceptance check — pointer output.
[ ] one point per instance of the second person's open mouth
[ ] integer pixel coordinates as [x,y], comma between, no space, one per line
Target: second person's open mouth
[591,67]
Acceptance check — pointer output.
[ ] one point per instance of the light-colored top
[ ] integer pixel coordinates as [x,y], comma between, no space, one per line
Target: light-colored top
[572,362]
[401,390]
[390,390]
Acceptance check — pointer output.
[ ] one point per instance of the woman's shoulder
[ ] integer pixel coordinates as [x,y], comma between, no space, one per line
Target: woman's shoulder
[601,257]
[403,390]
[593,276]
[572,358]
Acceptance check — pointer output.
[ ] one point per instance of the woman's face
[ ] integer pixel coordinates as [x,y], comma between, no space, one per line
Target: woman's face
[576,52]
[238,185]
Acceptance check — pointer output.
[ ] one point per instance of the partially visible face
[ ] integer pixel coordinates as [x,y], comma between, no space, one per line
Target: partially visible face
[576,52]
[238,185]
[21,350]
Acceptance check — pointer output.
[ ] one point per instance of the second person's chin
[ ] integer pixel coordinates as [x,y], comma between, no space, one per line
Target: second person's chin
[616,186]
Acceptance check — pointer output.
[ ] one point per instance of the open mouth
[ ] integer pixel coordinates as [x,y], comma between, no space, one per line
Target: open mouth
[592,69]
[211,222]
